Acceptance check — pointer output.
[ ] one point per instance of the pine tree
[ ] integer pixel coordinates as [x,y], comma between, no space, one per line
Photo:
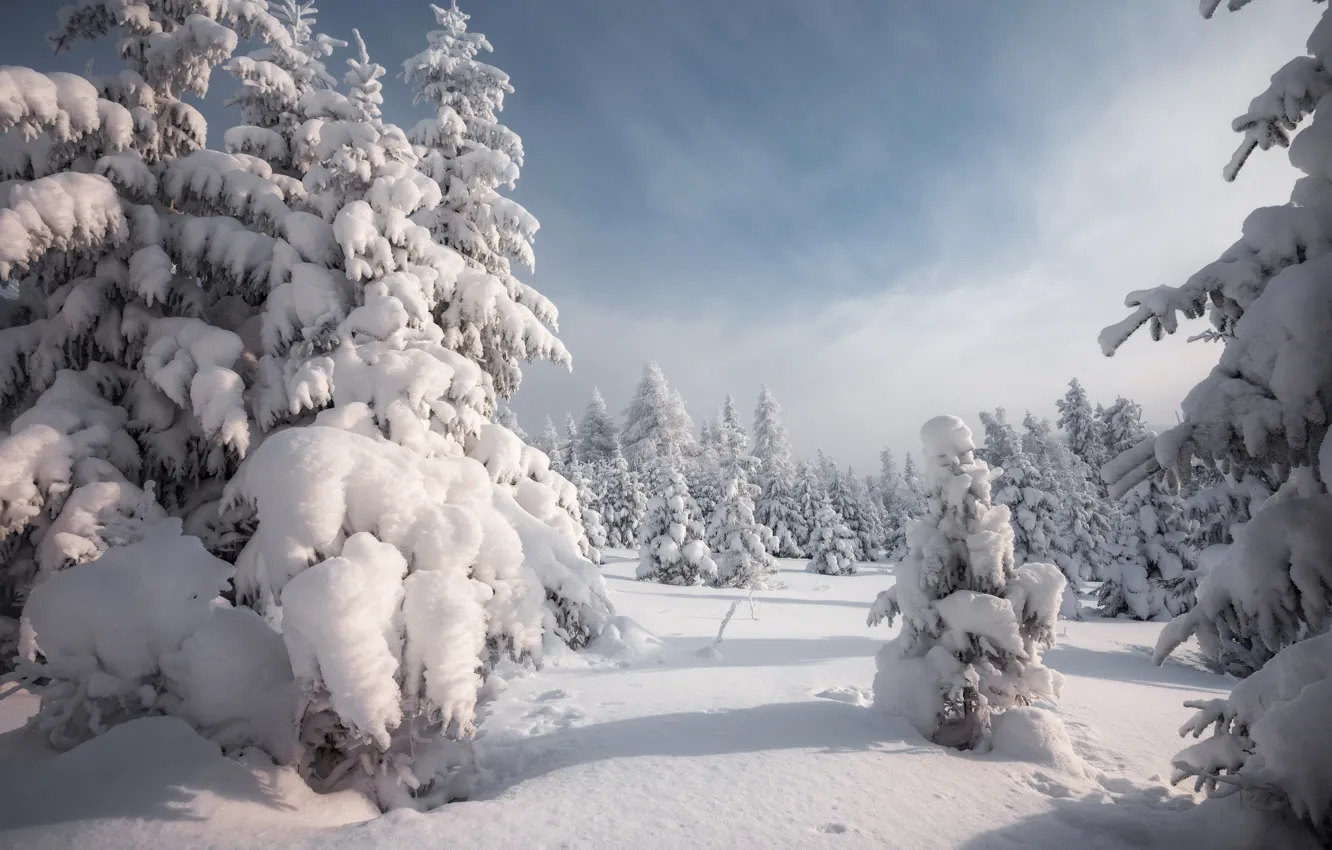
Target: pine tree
[958,594]
[843,499]
[740,543]
[623,502]
[1084,429]
[671,545]
[809,497]
[1261,412]
[597,439]
[589,502]
[1080,541]
[832,546]
[705,467]
[490,316]
[569,457]
[893,497]
[549,444]
[1020,488]
[656,425]
[280,286]
[913,495]
[505,416]
[776,508]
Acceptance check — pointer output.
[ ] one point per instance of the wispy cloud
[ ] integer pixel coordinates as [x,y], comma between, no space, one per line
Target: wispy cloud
[1026,251]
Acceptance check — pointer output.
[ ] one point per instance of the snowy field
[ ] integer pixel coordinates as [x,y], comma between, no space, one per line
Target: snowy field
[766,742]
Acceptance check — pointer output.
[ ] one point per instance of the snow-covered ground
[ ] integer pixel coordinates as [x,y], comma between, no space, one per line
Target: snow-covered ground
[765,742]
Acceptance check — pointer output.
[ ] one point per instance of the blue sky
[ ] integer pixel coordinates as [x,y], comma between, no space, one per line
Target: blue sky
[885,209]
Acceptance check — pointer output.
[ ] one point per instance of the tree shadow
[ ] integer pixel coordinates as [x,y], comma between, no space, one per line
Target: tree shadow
[1145,822]
[148,769]
[826,726]
[1131,667]
[764,652]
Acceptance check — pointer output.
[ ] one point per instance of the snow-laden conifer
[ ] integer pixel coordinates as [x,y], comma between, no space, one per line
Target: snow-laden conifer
[672,549]
[623,502]
[491,316]
[656,423]
[597,437]
[776,507]
[832,546]
[973,627]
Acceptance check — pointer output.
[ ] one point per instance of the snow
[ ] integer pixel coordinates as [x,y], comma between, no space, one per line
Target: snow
[644,742]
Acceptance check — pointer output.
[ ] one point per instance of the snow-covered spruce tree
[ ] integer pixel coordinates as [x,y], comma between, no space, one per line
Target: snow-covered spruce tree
[776,507]
[495,319]
[703,467]
[1261,411]
[569,457]
[656,423]
[548,442]
[597,439]
[1152,570]
[832,546]
[913,490]
[870,527]
[1021,488]
[1220,504]
[589,502]
[1084,517]
[623,502]
[973,627]
[672,549]
[847,503]
[809,496]
[741,545]
[1083,428]
[505,416]
[894,500]
[121,385]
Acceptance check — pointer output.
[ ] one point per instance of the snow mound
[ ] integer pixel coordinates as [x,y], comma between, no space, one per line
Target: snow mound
[1037,736]
[625,643]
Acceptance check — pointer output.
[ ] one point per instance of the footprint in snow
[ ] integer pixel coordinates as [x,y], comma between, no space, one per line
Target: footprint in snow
[833,828]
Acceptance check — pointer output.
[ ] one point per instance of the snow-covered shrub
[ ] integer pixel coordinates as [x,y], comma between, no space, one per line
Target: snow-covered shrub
[832,546]
[671,539]
[973,626]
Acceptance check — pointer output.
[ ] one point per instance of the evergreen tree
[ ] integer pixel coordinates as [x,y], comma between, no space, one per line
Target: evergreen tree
[894,498]
[597,439]
[1084,429]
[549,444]
[671,545]
[845,502]
[705,467]
[490,316]
[623,502]
[656,425]
[809,495]
[777,508]
[505,416]
[913,491]
[589,502]
[741,544]
[832,546]
[1154,568]
[1081,529]
[569,457]
[958,594]
[281,286]
[1020,487]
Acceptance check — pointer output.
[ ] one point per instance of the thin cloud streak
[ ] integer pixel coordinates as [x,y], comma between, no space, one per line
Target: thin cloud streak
[1126,195]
